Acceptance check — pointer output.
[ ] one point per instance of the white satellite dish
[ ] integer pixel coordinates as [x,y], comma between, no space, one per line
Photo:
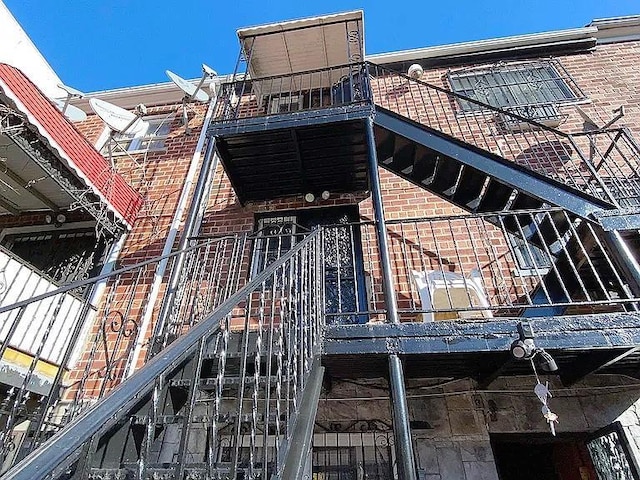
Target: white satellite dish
[208,71]
[118,119]
[72,112]
[71,92]
[192,91]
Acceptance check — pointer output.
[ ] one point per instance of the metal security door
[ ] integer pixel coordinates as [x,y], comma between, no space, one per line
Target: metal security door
[611,455]
[345,291]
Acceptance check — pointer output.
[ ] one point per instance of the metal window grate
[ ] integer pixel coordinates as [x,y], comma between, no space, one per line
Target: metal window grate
[515,84]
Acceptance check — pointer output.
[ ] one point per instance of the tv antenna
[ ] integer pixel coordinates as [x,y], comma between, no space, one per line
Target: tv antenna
[191,92]
[72,112]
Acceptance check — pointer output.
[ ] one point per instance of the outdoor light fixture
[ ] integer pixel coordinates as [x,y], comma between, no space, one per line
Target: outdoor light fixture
[309,197]
[325,195]
[524,348]
[415,71]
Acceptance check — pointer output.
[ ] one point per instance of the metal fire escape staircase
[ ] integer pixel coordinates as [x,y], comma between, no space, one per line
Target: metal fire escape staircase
[233,397]
[493,160]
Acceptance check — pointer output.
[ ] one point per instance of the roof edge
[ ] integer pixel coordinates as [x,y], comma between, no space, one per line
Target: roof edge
[484,46]
[317,20]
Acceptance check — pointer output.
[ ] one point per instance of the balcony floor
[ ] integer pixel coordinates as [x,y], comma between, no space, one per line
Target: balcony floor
[287,160]
[605,343]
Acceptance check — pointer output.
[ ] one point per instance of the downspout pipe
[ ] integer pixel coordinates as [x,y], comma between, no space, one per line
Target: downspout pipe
[174,228]
[191,225]
[399,408]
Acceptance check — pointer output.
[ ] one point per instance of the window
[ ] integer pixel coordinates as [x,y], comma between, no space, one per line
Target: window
[152,138]
[275,237]
[285,103]
[531,259]
[512,85]
[65,255]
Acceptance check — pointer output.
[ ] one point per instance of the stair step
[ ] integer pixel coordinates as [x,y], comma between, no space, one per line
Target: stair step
[234,355]
[385,144]
[526,202]
[210,382]
[113,474]
[470,186]
[495,198]
[446,176]
[204,419]
[551,231]
[424,164]
[403,156]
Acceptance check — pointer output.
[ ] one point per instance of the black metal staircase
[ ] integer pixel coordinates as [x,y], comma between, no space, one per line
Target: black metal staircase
[466,176]
[221,401]
[477,164]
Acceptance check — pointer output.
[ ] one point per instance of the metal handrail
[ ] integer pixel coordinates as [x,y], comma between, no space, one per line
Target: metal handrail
[114,273]
[541,147]
[505,262]
[484,106]
[59,452]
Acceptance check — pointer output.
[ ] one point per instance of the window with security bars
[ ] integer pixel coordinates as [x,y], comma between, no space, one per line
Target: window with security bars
[510,86]
[529,257]
[275,237]
[151,138]
[62,255]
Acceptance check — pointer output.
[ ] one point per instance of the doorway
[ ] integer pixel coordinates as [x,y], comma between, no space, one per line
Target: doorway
[603,455]
[538,457]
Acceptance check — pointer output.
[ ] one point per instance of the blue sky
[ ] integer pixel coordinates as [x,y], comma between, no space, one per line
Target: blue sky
[103,44]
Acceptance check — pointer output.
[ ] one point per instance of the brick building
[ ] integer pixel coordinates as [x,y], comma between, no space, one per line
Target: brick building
[346,266]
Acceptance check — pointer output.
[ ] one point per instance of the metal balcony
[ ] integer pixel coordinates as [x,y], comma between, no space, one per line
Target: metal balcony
[463,282]
[295,134]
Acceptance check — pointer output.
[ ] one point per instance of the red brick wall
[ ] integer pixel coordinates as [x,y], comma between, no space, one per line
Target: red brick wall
[159,177]
[609,77]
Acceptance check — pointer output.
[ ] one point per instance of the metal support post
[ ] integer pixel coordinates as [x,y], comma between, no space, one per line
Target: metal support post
[399,409]
[628,262]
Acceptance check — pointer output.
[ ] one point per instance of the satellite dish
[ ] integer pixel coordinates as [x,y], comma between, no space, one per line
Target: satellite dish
[118,119]
[192,91]
[73,113]
[208,71]
[71,92]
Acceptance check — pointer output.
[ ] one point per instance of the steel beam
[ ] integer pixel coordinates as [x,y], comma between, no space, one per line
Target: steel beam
[290,120]
[575,332]
[591,362]
[9,207]
[399,410]
[493,370]
[208,163]
[299,444]
[622,253]
[32,190]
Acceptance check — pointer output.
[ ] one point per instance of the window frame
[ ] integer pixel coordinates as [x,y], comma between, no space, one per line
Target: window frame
[514,93]
[264,244]
[527,257]
[65,230]
[132,145]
